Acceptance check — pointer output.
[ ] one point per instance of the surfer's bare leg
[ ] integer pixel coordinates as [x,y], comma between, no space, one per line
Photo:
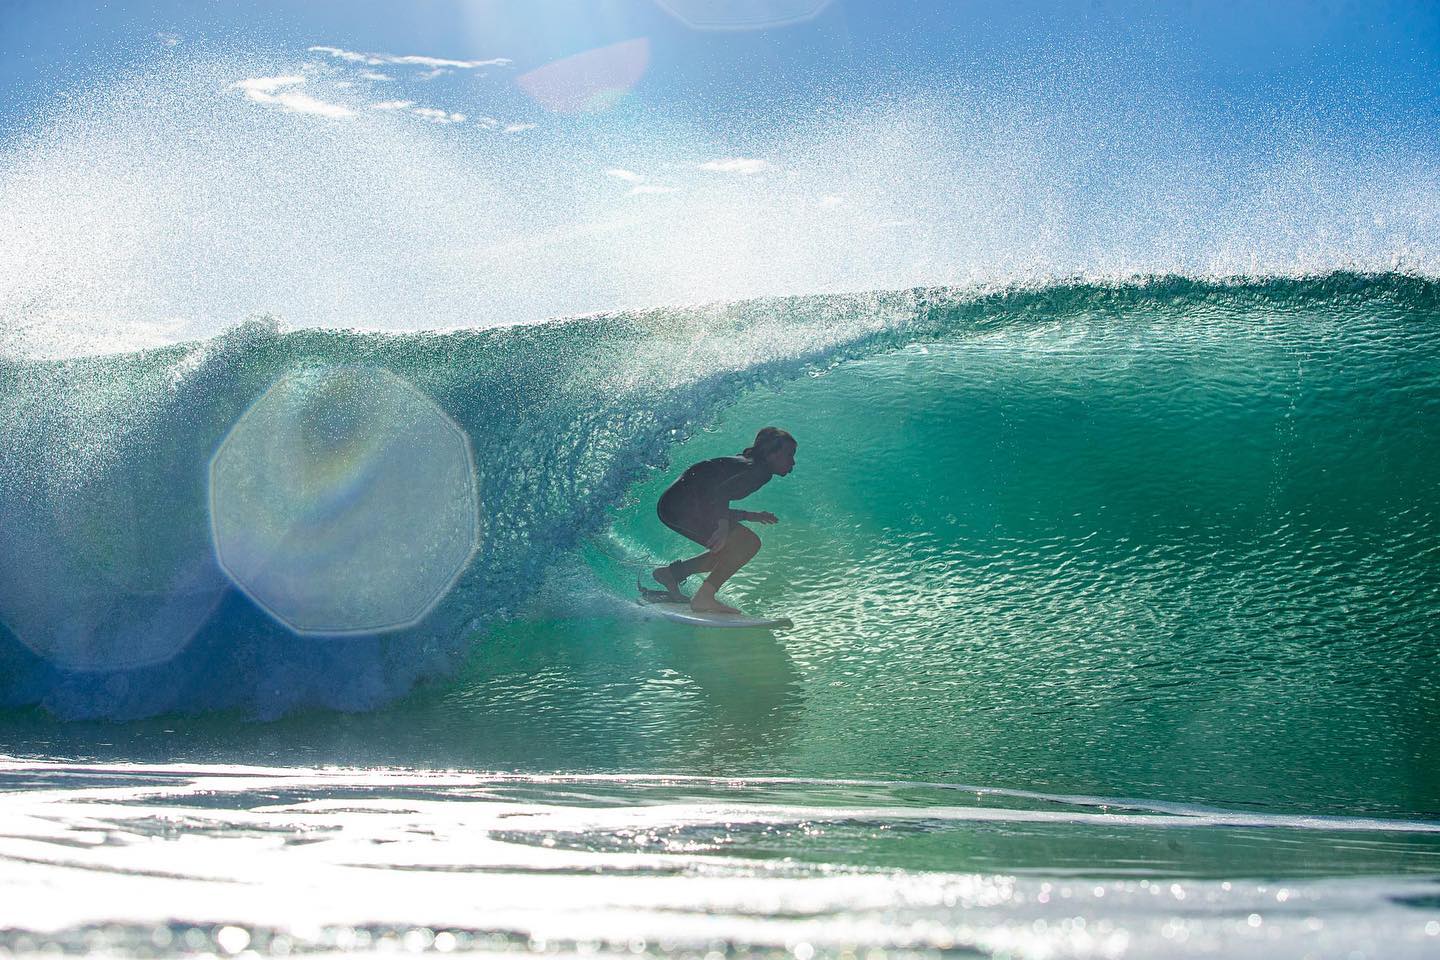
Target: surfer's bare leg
[739,547]
[672,575]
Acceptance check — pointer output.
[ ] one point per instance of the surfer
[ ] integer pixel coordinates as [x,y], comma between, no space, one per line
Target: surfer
[697,506]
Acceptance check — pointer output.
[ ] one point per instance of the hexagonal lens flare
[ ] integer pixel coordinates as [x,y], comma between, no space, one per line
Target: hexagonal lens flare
[54,602]
[344,501]
[114,571]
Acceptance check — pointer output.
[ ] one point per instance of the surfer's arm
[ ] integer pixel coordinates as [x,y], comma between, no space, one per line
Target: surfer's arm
[738,485]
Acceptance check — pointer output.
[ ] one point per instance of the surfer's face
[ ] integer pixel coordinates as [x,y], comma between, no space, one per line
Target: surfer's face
[782,461]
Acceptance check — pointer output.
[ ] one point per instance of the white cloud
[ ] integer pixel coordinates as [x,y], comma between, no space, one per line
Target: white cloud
[432,114]
[276,90]
[640,187]
[438,116]
[519,127]
[169,39]
[304,103]
[257,87]
[436,63]
[831,200]
[376,75]
[741,165]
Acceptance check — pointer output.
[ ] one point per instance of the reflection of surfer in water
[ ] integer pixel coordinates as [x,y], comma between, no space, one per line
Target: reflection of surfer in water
[698,506]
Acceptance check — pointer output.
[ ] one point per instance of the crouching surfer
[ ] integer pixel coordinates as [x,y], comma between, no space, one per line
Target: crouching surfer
[697,506]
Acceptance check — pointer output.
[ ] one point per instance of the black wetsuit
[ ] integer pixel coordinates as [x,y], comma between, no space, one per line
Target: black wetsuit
[700,499]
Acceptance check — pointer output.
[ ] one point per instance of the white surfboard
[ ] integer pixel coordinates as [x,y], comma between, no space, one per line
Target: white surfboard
[681,613]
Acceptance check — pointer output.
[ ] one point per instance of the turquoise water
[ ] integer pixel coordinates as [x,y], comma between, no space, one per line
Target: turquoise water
[1101,593]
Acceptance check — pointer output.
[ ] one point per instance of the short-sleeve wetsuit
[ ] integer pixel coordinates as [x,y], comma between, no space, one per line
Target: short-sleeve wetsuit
[700,499]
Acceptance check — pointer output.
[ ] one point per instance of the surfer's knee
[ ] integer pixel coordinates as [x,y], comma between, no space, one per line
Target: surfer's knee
[745,541]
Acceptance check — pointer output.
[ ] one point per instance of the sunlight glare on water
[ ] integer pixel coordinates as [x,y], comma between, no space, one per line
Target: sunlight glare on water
[279,861]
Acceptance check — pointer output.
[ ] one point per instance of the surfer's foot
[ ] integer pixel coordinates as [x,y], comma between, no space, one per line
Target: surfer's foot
[665,576]
[704,602]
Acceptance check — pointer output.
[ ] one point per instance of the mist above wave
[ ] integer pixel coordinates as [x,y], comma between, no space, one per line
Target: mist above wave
[167,203]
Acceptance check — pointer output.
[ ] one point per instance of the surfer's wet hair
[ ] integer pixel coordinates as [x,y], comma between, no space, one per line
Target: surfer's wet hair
[767,441]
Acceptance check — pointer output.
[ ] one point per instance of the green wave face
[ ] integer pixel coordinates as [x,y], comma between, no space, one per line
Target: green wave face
[1184,544]
[1169,539]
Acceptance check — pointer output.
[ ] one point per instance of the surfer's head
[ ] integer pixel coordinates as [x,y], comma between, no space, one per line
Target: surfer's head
[775,448]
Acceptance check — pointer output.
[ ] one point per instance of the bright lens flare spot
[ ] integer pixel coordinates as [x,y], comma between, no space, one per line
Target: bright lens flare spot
[344,501]
[93,583]
[589,82]
[53,602]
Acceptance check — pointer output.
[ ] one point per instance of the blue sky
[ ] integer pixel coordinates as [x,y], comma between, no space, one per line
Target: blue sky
[169,168]
[1322,57]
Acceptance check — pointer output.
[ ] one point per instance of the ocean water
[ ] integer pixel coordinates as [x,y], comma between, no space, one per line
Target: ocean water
[1114,592]
[1114,636]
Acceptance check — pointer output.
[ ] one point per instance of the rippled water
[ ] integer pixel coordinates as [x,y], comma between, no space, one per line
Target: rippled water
[185,859]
